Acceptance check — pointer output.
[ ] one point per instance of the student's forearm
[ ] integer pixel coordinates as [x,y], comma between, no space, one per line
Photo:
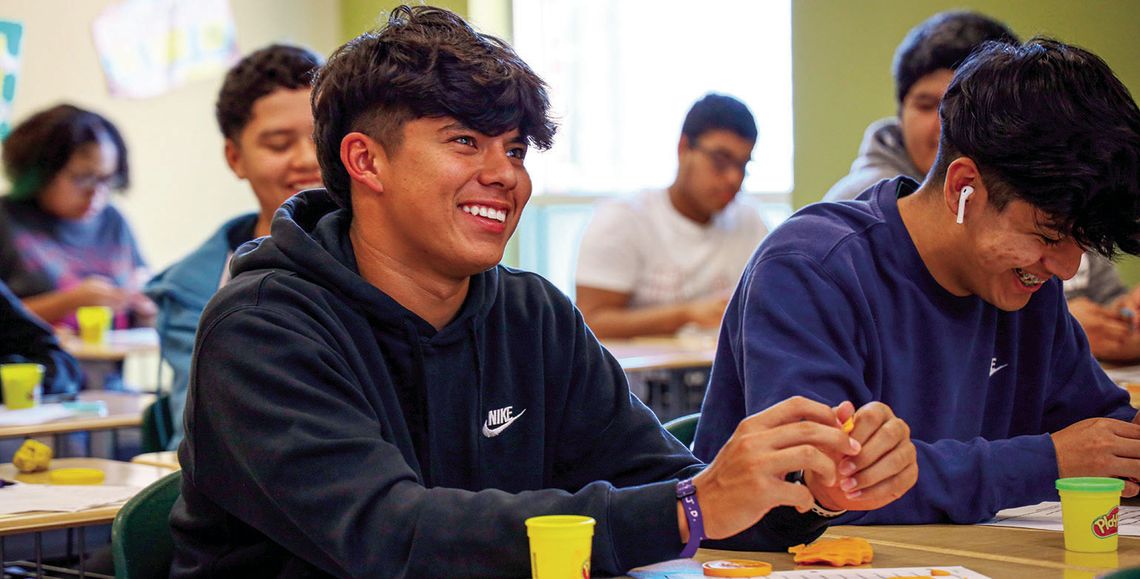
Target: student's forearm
[625,322]
[51,306]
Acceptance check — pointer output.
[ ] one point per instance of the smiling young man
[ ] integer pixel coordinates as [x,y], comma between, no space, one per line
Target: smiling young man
[906,145]
[942,300]
[263,112]
[373,396]
[662,259]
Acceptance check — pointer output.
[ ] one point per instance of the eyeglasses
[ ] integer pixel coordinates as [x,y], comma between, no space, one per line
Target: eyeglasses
[722,162]
[93,180]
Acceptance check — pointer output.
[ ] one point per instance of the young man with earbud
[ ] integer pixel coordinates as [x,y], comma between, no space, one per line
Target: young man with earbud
[944,301]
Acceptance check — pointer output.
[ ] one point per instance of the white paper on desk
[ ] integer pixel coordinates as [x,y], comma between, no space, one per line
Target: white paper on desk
[688,568]
[27,498]
[134,337]
[1047,516]
[38,415]
[1127,374]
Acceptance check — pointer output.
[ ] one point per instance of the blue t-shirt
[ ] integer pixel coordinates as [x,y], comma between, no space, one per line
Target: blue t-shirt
[838,305]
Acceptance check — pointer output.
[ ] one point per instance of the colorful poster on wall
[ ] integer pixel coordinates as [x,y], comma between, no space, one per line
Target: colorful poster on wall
[10,35]
[147,47]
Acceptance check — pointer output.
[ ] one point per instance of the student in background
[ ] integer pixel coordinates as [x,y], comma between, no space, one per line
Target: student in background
[1108,312]
[62,244]
[660,260]
[942,299]
[24,338]
[374,396]
[264,114]
[906,145]
[923,65]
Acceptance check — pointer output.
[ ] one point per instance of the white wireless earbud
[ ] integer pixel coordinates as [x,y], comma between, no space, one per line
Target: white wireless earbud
[966,192]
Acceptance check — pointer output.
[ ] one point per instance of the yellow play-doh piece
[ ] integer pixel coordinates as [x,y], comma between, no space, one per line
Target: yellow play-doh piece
[940,573]
[736,568]
[835,552]
[76,476]
[849,425]
[32,456]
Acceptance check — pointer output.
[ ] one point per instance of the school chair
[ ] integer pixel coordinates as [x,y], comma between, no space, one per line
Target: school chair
[140,536]
[684,428]
[157,426]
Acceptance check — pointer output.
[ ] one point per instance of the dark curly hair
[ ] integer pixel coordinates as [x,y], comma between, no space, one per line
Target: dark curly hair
[1051,125]
[426,62]
[943,41]
[40,147]
[257,75]
[719,112]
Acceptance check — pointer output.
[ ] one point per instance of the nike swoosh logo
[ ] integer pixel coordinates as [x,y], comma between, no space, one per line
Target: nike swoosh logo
[493,432]
[992,370]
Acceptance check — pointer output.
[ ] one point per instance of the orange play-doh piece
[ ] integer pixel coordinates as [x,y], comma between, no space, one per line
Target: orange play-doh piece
[940,573]
[849,425]
[835,552]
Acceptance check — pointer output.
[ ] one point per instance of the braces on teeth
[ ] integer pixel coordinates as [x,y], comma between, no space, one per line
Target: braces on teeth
[1028,278]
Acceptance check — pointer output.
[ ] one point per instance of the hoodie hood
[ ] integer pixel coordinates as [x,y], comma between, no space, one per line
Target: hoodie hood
[309,238]
[882,155]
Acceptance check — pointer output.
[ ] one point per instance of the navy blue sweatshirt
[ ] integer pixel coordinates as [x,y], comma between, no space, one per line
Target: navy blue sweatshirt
[330,431]
[837,305]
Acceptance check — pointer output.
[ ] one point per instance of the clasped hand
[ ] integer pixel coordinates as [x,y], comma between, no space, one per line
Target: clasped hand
[873,466]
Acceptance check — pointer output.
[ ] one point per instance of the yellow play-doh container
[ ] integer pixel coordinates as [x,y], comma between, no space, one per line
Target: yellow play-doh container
[1089,508]
[22,385]
[94,324]
[560,546]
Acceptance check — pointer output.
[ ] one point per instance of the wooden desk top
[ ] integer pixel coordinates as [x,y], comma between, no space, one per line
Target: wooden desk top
[662,353]
[1018,552]
[121,344]
[166,459]
[997,552]
[124,410]
[117,473]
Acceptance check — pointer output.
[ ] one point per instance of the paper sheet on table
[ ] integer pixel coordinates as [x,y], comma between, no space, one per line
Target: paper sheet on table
[1047,516]
[1124,375]
[134,337]
[38,415]
[27,498]
[688,568]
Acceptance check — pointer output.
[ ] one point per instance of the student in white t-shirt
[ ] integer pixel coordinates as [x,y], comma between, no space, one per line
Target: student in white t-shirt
[660,260]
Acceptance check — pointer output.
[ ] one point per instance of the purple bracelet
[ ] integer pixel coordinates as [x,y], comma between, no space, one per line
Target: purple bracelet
[687,494]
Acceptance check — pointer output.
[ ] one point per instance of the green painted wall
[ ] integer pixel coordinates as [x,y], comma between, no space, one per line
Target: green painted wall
[842,52]
[358,16]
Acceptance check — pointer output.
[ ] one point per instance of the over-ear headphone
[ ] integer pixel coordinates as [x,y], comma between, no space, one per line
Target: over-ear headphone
[966,192]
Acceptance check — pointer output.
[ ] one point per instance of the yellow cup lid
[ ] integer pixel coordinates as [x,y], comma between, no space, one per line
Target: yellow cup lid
[76,476]
[736,568]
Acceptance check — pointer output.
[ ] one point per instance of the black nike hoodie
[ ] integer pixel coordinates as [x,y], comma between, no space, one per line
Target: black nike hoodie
[332,432]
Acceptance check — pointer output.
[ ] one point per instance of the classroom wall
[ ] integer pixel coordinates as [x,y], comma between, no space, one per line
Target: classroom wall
[181,189]
[842,54]
[361,15]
